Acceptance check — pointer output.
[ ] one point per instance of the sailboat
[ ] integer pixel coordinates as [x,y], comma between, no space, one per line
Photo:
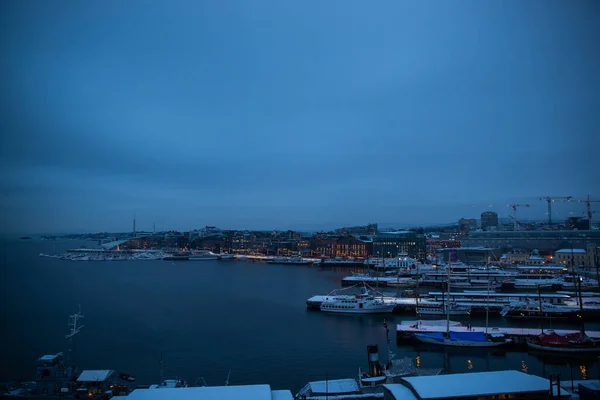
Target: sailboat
[463,339]
[577,342]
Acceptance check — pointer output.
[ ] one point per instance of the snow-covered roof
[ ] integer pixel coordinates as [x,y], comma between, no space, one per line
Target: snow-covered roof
[94,375]
[569,251]
[248,392]
[334,386]
[400,392]
[480,384]
[48,357]
[281,395]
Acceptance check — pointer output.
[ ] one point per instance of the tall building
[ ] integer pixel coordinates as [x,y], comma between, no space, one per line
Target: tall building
[489,220]
[391,244]
[578,223]
[465,225]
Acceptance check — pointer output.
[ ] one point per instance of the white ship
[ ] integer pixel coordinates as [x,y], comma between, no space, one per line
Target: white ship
[363,303]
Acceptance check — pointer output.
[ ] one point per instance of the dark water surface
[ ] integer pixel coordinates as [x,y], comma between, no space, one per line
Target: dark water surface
[207,318]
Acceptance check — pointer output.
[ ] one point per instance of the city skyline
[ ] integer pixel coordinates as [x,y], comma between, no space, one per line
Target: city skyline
[266,115]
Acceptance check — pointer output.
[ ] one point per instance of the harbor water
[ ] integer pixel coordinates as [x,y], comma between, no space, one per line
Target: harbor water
[207,318]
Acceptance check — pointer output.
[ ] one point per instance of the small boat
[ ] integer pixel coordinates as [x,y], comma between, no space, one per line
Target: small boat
[463,339]
[363,303]
[570,343]
[127,377]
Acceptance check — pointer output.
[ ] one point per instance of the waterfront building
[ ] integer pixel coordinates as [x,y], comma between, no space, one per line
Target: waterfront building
[393,244]
[468,255]
[434,245]
[489,220]
[543,240]
[324,247]
[349,246]
[569,256]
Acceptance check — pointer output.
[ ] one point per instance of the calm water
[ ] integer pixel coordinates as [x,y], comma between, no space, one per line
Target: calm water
[207,318]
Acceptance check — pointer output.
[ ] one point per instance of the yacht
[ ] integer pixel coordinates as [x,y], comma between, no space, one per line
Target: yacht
[226,256]
[203,255]
[531,309]
[363,303]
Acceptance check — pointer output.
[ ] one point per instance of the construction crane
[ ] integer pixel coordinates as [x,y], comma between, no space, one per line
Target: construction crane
[551,200]
[514,217]
[589,208]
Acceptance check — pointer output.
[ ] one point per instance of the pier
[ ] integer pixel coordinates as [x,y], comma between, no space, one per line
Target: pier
[407,329]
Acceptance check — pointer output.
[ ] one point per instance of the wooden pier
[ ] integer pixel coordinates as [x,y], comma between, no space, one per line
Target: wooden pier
[407,329]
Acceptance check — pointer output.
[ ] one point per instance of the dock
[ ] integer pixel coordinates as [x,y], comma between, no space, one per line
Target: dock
[407,329]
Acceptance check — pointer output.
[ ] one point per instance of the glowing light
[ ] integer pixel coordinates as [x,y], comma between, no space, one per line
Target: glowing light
[524,366]
[583,371]
[470,364]
[418,360]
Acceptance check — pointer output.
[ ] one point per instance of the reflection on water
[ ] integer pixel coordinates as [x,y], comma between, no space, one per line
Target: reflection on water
[462,360]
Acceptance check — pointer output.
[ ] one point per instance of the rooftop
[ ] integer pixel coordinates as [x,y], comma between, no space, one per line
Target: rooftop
[480,384]
[571,251]
[247,392]
[94,375]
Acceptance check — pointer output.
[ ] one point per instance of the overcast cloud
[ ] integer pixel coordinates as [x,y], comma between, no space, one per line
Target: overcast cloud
[302,115]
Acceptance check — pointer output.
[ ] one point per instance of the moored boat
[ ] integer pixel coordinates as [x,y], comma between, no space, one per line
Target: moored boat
[363,303]
[463,339]
[570,343]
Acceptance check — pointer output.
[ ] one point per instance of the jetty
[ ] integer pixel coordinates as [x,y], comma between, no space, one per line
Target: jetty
[406,330]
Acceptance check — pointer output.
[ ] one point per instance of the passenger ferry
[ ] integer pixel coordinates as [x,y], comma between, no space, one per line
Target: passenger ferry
[363,303]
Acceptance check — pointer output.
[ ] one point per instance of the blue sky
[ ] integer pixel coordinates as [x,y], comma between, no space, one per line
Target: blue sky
[303,115]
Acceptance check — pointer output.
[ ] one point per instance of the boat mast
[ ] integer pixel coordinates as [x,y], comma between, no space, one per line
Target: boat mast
[448,302]
[541,310]
[487,301]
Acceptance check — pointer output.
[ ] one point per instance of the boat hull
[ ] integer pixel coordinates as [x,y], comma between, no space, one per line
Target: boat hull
[382,310]
[457,343]
[560,349]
